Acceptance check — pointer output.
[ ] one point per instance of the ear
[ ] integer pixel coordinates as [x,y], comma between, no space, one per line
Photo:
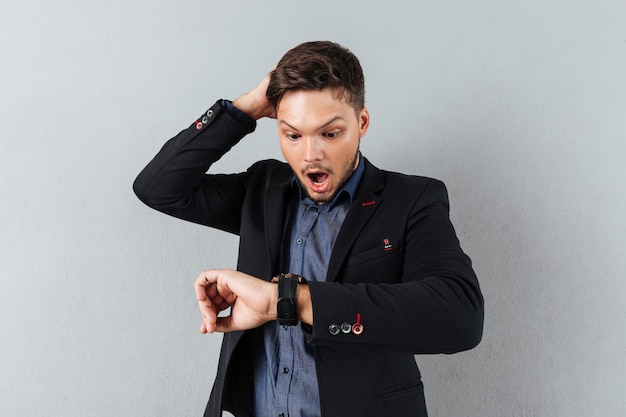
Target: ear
[364,121]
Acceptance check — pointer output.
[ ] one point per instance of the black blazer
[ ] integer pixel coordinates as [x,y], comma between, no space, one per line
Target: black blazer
[396,262]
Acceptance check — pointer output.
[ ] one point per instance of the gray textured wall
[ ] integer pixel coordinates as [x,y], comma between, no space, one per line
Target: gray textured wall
[519,106]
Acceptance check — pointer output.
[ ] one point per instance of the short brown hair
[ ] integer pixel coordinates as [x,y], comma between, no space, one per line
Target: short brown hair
[315,66]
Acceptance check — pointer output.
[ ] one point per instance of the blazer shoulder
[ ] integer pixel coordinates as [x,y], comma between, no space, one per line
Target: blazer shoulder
[391,178]
[407,189]
[396,182]
[270,165]
[269,170]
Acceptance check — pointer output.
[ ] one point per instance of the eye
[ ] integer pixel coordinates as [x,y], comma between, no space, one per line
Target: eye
[332,134]
[292,136]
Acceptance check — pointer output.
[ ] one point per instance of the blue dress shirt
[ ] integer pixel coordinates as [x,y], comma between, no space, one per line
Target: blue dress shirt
[285,377]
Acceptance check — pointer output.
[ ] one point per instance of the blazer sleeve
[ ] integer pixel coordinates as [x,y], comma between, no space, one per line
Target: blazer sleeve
[175,181]
[433,305]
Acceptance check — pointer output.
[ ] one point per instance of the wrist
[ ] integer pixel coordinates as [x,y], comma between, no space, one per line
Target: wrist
[248,104]
[272,313]
[304,308]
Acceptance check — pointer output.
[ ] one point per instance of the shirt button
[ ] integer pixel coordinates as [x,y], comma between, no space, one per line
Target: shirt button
[334,329]
[299,241]
[285,370]
[281,415]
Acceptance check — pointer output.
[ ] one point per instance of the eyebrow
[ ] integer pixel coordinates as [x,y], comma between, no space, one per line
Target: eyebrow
[334,119]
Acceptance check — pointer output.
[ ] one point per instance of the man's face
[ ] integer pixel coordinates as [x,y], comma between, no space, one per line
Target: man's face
[319,137]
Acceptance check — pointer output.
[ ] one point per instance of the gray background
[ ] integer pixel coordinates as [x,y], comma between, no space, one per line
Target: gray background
[519,106]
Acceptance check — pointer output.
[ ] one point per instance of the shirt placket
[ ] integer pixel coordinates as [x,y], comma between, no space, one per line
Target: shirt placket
[303,230]
[286,360]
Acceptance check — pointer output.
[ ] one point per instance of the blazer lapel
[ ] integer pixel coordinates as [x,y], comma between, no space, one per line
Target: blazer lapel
[365,203]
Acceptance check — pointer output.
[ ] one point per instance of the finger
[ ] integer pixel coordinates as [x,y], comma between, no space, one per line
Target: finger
[209,317]
[224,324]
[212,291]
[213,294]
[208,312]
[199,289]
[205,279]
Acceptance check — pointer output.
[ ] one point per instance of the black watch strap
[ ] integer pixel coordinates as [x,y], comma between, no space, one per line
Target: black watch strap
[286,307]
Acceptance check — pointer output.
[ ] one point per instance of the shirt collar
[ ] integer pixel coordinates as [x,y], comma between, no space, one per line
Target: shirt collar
[348,188]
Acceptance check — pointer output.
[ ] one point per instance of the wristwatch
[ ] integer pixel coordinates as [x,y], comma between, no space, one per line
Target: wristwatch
[286,306]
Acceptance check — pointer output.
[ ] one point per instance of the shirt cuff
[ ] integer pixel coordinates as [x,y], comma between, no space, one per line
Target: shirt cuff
[238,115]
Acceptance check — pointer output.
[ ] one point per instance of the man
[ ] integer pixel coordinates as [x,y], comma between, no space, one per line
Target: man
[384,275]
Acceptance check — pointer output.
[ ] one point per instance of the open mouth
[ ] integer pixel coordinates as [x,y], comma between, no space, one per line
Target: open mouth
[318,178]
[318,181]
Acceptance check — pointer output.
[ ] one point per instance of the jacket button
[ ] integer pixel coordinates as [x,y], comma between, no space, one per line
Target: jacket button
[209,113]
[334,329]
[346,328]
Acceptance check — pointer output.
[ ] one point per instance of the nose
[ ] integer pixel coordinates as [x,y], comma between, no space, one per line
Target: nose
[313,151]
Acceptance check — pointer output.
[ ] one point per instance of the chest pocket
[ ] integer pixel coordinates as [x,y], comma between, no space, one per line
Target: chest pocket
[382,264]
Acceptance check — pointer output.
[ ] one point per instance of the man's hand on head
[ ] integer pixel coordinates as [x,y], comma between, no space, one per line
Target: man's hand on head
[255,103]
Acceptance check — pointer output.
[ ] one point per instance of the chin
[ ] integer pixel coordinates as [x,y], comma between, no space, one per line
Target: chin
[321,199]
[315,197]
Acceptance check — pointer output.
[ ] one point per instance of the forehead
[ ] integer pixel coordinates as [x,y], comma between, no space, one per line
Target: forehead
[308,107]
